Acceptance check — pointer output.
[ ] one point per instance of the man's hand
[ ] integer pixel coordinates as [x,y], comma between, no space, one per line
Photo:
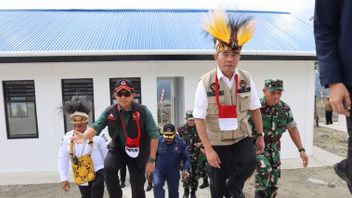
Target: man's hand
[77,137]
[259,145]
[212,157]
[304,158]
[339,98]
[198,145]
[184,175]
[149,169]
[65,185]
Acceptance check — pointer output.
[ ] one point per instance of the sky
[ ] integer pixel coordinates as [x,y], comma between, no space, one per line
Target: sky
[301,8]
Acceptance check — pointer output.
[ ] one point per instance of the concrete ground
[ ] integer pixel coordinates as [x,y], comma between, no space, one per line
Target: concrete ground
[320,158]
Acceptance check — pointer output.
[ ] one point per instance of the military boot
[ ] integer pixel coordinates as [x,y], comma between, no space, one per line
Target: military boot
[193,193]
[186,193]
[205,183]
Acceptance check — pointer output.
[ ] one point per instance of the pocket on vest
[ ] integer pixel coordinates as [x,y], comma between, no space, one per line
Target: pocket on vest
[244,101]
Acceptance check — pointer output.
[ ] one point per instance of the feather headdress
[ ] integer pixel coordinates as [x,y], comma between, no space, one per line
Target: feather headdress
[78,108]
[231,32]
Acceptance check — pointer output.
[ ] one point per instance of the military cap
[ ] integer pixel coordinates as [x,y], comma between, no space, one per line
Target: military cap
[274,84]
[124,84]
[189,114]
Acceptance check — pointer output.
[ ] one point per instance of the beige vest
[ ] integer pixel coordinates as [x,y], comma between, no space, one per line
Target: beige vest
[227,96]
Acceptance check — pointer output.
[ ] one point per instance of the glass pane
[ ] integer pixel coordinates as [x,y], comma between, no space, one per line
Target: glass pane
[19,100]
[21,119]
[165,102]
[77,87]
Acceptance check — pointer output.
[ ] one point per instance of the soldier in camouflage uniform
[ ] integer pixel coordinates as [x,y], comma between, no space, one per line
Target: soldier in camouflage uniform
[277,117]
[199,166]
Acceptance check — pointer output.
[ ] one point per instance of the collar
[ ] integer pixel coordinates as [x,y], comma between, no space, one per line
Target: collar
[221,75]
[122,110]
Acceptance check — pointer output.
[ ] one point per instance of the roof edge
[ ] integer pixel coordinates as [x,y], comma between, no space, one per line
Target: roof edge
[149,10]
[147,52]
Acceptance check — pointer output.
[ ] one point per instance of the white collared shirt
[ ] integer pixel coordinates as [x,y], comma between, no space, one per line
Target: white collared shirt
[98,154]
[201,100]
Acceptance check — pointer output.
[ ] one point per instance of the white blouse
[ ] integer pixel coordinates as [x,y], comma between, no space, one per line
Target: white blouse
[98,153]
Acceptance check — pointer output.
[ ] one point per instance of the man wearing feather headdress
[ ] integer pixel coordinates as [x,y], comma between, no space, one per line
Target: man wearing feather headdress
[78,109]
[224,99]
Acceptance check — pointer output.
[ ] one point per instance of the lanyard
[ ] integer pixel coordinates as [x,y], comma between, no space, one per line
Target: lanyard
[217,90]
[124,127]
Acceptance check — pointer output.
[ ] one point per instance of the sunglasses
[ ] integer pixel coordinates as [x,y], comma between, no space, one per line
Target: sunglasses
[124,93]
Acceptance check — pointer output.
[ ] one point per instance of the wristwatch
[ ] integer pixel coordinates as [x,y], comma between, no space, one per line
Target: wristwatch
[151,160]
[259,134]
[301,149]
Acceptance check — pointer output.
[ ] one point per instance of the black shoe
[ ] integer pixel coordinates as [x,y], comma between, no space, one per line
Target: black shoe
[341,170]
[122,185]
[260,195]
[205,184]
[149,188]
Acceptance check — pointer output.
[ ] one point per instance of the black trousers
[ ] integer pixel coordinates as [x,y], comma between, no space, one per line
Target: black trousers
[123,170]
[95,188]
[349,151]
[113,162]
[328,117]
[237,161]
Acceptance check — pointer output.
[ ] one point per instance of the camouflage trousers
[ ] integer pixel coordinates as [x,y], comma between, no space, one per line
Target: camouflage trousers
[267,175]
[192,180]
[203,167]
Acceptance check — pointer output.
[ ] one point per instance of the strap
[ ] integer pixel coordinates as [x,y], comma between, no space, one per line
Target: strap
[72,144]
[124,126]
[91,145]
[217,88]
[71,151]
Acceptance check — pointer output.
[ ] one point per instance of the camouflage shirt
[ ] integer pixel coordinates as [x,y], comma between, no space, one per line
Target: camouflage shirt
[276,119]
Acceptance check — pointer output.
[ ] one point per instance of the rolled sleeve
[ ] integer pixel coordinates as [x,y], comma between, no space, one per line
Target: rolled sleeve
[201,102]
[151,128]
[291,125]
[255,102]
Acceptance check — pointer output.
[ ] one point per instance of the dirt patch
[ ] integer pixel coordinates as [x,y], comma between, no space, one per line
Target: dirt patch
[331,140]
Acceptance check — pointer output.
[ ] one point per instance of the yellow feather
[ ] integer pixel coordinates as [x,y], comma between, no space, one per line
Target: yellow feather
[217,25]
[245,32]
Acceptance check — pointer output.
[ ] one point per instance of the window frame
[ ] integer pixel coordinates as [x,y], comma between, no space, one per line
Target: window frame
[63,96]
[7,113]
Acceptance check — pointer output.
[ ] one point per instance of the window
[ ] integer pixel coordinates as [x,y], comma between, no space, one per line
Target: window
[170,96]
[77,87]
[136,82]
[20,109]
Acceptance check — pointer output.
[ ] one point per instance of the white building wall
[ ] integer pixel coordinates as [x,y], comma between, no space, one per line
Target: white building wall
[40,154]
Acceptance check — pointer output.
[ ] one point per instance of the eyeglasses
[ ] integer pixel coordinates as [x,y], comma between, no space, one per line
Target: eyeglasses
[124,93]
